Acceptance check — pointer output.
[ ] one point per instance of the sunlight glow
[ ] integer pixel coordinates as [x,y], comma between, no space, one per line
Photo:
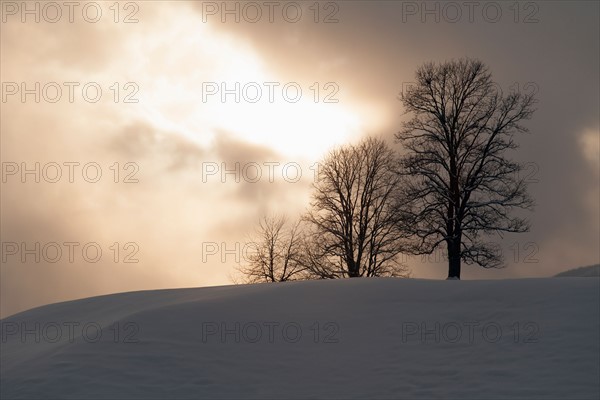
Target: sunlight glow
[191,57]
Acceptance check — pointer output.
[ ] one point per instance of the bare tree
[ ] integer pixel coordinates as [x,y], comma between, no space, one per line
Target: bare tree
[352,227]
[459,183]
[273,253]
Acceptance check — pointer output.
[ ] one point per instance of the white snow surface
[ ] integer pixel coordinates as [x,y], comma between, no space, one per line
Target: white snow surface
[377,338]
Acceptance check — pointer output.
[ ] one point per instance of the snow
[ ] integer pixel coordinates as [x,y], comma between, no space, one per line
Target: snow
[369,342]
[584,272]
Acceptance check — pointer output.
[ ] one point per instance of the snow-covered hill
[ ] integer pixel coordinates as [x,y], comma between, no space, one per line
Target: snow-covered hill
[353,338]
[584,272]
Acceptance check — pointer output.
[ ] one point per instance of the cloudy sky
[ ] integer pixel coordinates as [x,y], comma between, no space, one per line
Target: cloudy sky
[134,119]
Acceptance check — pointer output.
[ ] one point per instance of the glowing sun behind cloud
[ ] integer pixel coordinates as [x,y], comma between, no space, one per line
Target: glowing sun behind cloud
[179,65]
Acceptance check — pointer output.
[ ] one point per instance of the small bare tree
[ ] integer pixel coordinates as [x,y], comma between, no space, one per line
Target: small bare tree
[459,183]
[352,229]
[273,253]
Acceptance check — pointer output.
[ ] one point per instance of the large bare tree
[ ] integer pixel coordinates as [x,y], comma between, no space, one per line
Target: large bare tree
[352,229]
[273,253]
[460,185]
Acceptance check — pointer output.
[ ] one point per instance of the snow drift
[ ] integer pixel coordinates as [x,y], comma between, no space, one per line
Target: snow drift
[353,338]
[584,272]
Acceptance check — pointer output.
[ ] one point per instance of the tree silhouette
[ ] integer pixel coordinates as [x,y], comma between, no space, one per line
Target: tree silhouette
[458,183]
[273,253]
[352,227]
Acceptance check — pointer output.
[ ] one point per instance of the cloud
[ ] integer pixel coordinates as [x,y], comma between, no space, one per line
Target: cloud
[160,144]
[589,141]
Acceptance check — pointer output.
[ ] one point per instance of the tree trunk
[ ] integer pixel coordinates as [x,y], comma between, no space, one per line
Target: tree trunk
[353,271]
[352,267]
[453,222]
[454,258]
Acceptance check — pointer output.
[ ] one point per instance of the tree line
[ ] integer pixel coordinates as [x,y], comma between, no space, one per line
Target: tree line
[453,185]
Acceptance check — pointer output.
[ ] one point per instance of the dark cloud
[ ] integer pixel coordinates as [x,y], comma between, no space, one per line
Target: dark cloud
[262,180]
[141,141]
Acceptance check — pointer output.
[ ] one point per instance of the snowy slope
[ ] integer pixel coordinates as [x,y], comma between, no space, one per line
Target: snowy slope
[360,338]
[584,272]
